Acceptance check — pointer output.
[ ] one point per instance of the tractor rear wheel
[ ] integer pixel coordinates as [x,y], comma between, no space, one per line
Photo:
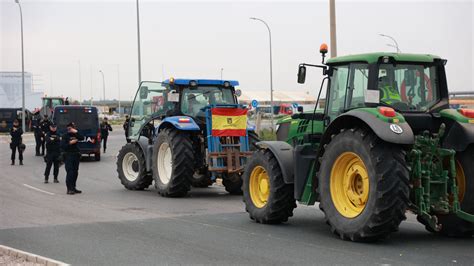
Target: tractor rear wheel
[232,183]
[173,163]
[451,225]
[267,198]
[364,186]
[131,168]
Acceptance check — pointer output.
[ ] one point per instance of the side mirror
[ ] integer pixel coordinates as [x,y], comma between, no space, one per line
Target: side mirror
[301,74]
[300,109]
[238,92]
[144,92]
[410,78]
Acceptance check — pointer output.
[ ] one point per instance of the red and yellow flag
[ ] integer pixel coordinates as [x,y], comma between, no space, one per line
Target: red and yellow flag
[229,122]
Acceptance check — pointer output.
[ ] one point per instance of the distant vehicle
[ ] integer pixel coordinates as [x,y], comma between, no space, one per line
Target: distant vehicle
[284,109]
[8,115]
[265,110]
[49,103]
[86,119]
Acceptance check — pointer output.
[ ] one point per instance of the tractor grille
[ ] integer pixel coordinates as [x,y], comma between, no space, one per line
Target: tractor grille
[302,126]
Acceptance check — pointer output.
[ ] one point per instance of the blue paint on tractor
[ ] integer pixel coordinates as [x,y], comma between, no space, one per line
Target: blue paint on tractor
[185,123]
[204,82]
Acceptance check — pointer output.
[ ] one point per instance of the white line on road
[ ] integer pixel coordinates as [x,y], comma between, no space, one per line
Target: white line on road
[37,189]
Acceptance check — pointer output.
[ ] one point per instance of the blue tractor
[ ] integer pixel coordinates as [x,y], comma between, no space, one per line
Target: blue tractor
[184,133]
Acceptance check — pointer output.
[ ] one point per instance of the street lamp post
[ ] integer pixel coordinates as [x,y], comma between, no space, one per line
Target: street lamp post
[103,83]
[271,67]
[118,85]
[222,70]
[138,37]
[23,124]
[394,41]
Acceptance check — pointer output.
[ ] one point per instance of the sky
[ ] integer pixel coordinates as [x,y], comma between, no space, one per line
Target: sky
[65,40]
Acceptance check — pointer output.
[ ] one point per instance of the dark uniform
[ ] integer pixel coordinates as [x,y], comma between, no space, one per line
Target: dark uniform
[72,157]
[44,125]
[104,132]
[15,133]
[53,152]
[126,126]
[36,125]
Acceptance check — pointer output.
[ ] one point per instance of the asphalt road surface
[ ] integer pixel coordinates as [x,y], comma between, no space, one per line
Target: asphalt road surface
[109,225]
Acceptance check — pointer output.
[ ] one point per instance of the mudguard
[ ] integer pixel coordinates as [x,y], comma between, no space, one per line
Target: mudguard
[147,150]
[188,125]
[284,154]
[459,136]
[382,129]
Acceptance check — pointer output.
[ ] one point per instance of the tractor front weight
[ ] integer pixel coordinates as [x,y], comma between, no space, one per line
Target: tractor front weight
[433,178]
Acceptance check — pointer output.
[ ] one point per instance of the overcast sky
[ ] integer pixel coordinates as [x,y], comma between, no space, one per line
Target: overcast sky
[196,39]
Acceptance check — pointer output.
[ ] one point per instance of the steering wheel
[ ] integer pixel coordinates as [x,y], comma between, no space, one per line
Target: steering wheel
[409,97]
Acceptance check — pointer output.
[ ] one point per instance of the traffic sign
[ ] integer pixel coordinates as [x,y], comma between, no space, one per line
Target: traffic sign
[254,103]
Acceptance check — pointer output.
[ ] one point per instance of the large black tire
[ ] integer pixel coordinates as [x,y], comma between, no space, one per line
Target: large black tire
[131,168]
[172,179]
[233,183]
[451,225]
[387,195]
[280,203]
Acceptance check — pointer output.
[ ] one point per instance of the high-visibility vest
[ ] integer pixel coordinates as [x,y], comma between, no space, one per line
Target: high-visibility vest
[390,95]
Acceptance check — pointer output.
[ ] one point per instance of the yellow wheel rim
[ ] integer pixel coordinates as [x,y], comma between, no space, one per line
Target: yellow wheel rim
[460,181]
[259,186]
[349,185]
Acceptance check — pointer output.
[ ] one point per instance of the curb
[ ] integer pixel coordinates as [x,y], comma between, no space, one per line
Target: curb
[29,257]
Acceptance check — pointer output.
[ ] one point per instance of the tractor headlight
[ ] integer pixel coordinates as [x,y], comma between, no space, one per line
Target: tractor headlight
[193,83]
[226,84]
[277,127]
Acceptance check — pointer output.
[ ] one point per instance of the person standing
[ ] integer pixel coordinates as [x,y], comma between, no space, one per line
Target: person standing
[72,156]
[36,125]
[104,131]
[126,126]
[44,125]
[16,133]
[53,152]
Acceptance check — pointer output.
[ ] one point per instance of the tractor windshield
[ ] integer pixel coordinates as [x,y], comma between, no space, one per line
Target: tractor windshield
[408,87]
[193,100]
[151,100]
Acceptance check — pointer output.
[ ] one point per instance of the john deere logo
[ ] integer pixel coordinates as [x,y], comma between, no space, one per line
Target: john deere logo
[3,124]
[229,120]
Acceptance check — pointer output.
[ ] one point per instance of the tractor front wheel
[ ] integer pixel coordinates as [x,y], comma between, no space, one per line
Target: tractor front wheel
[268,199]
[364,186]
[232,183]
[173,163]
[131,168]
[451,225]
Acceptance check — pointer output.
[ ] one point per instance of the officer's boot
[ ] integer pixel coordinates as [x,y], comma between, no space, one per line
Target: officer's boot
[46,179]
[21,162]
[56,179]
[13,162]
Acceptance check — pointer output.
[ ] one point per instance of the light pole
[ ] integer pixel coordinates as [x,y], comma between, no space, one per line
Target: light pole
[118,85]
[271,67]
[23,125]
[222,70]
[332,27]
[80,84]
[394,41]
[103,83]
[138,37]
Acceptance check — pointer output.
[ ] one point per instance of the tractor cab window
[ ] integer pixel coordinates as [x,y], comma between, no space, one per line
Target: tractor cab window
[337,91]
[408,87]
[193,100]
[151,101]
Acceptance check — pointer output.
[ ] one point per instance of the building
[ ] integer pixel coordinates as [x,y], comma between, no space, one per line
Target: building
[11,91]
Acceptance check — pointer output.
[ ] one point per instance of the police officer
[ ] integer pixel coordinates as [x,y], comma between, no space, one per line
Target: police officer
[16,132]
[126,126]
[104,131]
[44,125]
[72,156]
[53,152]
[36,121]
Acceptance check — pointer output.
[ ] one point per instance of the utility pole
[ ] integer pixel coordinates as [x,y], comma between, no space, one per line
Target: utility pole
[118,85]
[222,70]
[103,83]
[91,84]
[80,84]
[332,25]
[23,125]
[139,54]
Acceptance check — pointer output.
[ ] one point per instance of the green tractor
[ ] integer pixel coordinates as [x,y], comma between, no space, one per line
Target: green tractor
[384,143]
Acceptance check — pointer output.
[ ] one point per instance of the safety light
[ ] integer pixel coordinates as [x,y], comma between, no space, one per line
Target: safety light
[467,112]
[184,120]
[323,48]
[387,111]
[171,80]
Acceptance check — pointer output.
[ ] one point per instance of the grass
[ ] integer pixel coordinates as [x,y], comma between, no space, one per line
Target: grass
[267,134]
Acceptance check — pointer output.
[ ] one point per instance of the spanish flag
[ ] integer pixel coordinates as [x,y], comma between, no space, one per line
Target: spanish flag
[229,122]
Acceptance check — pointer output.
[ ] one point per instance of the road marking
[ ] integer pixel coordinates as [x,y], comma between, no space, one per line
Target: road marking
[37,189]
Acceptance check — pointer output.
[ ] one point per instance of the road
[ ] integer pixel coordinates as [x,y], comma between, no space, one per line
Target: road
[109,225]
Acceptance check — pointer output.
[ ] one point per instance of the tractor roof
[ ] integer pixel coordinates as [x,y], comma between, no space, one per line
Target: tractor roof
[374,57]
[217,82]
